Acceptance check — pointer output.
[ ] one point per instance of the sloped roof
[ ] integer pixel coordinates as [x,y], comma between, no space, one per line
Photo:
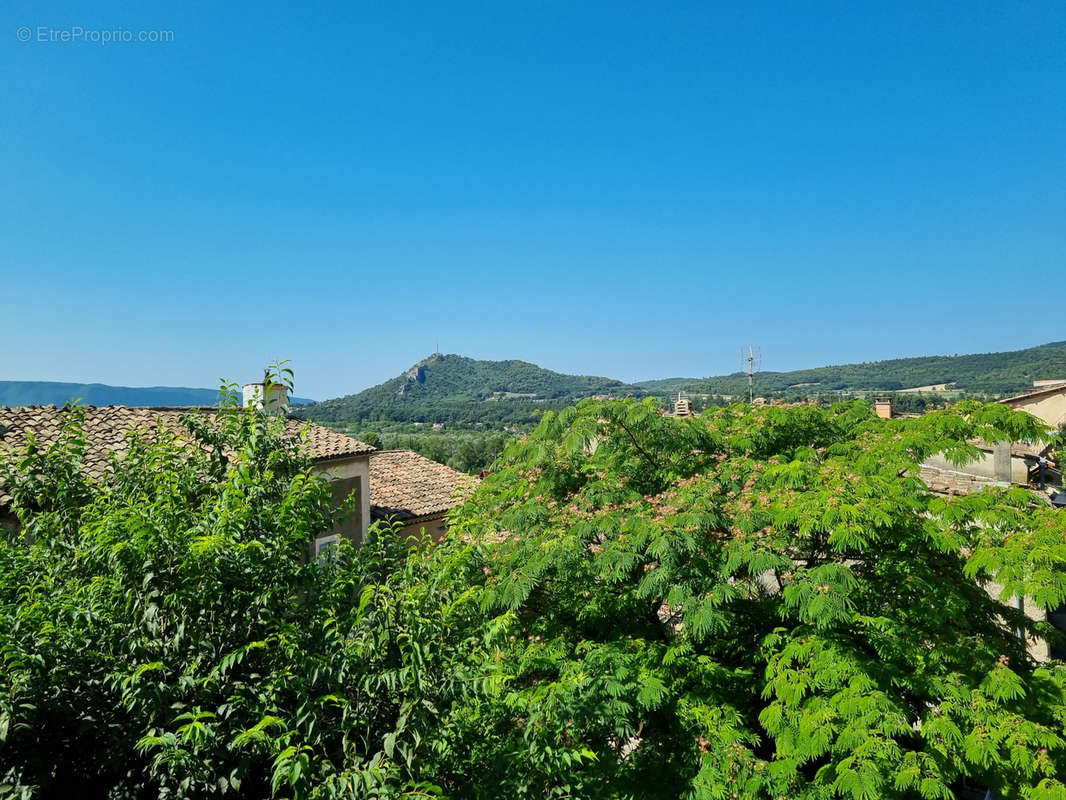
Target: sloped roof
[107,430]
[1046,391]
[409,486]
[941,480]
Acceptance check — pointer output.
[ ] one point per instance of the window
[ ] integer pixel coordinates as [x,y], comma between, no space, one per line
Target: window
[325,547]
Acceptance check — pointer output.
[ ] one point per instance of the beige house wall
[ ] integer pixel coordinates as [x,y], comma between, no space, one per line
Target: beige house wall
[1038,648]
[350,474]
[435,527]
[1050,408]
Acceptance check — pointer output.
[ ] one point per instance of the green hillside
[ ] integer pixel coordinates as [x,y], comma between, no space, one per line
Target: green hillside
[458,390]
[982,373]
[455,389]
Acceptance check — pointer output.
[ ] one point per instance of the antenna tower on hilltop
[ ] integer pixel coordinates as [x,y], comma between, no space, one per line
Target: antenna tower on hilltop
[751,358]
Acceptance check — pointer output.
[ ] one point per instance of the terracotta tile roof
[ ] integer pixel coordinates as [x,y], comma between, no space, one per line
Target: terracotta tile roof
[107,429]
[952,482]
[410,486]
[324,444]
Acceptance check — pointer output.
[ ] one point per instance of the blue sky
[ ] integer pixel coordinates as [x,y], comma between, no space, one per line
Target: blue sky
[633,190]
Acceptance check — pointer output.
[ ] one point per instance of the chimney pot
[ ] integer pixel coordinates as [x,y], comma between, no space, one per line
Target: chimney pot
[276,394]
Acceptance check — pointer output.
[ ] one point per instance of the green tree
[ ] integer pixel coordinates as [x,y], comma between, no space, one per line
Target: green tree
[756,603]
[168,634]
[762,603]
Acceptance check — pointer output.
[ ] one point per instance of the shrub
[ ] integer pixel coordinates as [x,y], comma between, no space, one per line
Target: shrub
[167,634]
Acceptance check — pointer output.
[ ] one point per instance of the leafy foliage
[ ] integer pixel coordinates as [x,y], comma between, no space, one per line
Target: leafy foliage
[167,634]
[755,603]
[764,603]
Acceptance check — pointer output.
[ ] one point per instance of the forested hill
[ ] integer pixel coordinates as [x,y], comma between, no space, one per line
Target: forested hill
[455,389]
[452,388]
[982,373]
[43,393]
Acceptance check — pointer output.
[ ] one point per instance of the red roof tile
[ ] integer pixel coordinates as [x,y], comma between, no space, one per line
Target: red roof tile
[409,486]
[107,430]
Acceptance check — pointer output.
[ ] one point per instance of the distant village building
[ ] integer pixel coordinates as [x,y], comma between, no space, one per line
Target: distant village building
[998,464]
[1020,463]
[1017,463]
[682,406]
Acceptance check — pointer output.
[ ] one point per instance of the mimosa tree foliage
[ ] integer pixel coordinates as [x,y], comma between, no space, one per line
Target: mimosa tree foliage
[764,603]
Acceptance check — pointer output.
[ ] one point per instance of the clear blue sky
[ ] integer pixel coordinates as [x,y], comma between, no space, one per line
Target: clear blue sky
[633,190]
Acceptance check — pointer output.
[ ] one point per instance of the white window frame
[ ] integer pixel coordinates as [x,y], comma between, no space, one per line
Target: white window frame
[324,545]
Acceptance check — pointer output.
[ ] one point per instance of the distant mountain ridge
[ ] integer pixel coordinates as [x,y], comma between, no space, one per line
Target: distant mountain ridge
[980,373]
[456,389]
[453,388]
[43,393]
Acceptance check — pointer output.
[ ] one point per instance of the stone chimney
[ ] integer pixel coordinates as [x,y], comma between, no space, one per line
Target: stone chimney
[883,409]
[276,396]
[1001,461]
